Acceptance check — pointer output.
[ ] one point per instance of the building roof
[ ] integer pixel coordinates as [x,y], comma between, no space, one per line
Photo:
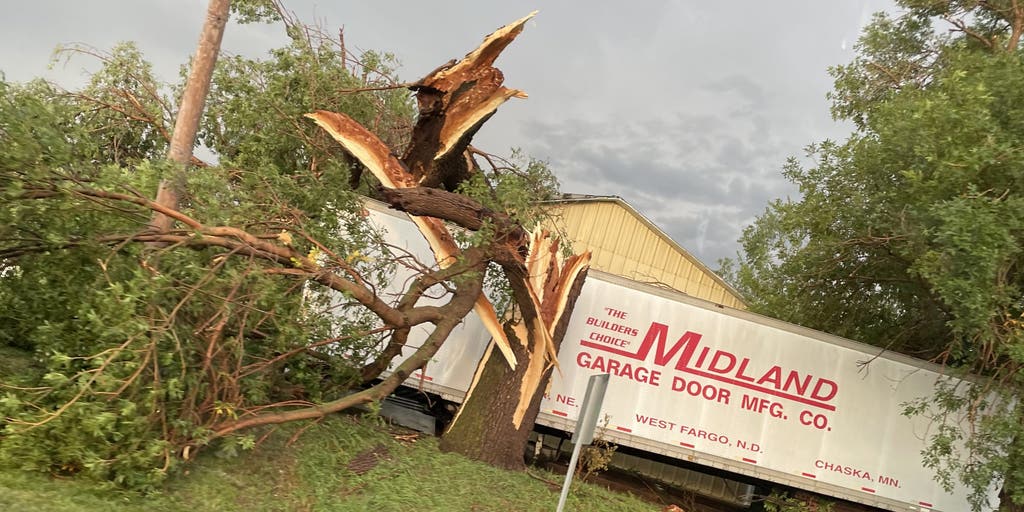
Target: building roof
[570,200]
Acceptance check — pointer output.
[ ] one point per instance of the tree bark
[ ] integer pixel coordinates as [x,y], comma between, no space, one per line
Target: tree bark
[501,406]
[511,240]
[483,429]
[190,111]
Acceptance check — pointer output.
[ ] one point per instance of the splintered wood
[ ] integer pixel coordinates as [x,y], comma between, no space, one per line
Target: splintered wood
[454,101]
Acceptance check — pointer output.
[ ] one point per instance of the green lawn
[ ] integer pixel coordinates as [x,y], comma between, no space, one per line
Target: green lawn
[344,464]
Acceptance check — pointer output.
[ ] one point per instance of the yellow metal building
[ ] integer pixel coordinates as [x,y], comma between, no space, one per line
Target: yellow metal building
[626,243]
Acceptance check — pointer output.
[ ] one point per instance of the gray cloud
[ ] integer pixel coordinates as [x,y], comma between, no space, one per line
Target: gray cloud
[700,178]
[687,110]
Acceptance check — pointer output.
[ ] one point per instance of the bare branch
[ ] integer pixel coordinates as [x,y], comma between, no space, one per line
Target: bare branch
[961,26]
[459,306]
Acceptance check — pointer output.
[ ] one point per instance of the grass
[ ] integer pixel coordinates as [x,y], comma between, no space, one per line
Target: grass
[14,362]
[316,471]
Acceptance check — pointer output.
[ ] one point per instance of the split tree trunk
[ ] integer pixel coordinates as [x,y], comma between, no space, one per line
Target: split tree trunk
[497,416]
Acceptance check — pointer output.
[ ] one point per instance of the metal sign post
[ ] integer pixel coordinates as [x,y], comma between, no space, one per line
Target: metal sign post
[585,423]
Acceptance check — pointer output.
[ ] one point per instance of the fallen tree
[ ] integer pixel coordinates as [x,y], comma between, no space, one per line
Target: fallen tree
[170,335]
[454,101]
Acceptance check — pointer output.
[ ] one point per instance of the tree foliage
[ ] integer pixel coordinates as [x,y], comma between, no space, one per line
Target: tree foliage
[140,362]
[254,113]
[264,299]
[144,354]
[910,234]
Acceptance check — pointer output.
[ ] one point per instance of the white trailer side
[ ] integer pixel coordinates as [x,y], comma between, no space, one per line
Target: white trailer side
[726,388]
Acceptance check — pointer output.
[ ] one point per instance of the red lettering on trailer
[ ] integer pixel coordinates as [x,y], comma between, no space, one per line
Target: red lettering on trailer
[607,340]
[820,421]
[754,447]
[700,433]
[698,389]
[657,332]
[760,405]
[743,368]
[655,422]
[888,480]
[843,469]
[618,368]
[725,366]
[611,326]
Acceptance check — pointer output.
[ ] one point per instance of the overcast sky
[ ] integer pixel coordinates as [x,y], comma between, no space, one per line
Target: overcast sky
[685,109]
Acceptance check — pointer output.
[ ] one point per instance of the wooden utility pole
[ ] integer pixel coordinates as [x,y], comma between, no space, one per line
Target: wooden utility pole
[190,111]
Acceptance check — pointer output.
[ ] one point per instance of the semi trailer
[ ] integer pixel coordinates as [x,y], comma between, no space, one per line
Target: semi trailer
[722,388]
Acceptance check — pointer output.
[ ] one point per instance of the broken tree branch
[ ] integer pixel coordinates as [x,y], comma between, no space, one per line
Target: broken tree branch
[454,101]
[376,156]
